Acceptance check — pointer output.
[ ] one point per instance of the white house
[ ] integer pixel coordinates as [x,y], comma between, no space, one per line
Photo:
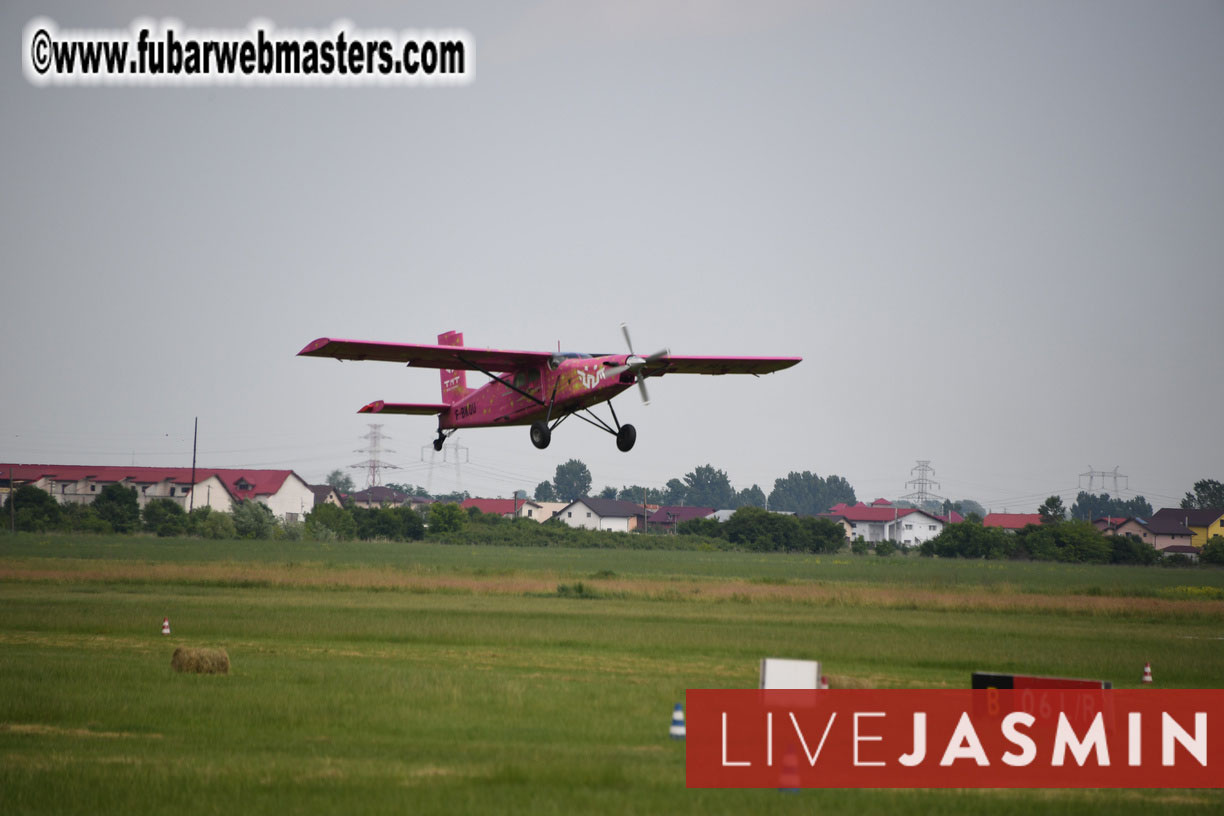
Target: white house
[602,514]
[881,521]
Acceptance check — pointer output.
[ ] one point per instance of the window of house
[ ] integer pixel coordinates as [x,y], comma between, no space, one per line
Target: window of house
[909,526]
[931,526]
[171,490]
[291,517]
[588,514]
[529,514]
[93,488]
[570,514]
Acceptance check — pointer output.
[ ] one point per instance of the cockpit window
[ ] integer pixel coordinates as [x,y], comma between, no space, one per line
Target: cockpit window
[561,356]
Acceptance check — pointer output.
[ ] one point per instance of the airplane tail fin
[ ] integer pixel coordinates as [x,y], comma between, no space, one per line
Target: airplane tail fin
[454,382]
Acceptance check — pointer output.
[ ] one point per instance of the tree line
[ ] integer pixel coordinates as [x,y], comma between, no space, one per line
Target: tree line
[1056,539]
[117,510]
[705,486]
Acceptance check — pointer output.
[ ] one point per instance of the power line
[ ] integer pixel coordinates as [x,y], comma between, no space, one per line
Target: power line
[1103,475]
[374,464]
[923,484]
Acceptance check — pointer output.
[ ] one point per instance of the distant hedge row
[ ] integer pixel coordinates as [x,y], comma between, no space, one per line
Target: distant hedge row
[1068,541]
[750,529]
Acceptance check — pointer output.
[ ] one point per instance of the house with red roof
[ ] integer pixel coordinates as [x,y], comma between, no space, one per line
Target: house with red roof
[1011,522]
[1107,523]
[508,508]
[884,521]
[284,492]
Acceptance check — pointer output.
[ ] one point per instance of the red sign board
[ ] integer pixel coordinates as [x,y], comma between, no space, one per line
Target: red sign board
[996,738]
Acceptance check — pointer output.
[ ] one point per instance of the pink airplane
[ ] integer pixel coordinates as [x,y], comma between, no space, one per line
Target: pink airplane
[536,388]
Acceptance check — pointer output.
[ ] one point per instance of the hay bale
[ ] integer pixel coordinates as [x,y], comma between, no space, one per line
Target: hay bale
[200,661]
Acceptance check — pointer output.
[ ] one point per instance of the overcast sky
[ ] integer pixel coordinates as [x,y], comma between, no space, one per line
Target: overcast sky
[993,230]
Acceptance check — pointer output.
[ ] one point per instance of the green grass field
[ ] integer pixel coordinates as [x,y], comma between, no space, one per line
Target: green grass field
[381,677]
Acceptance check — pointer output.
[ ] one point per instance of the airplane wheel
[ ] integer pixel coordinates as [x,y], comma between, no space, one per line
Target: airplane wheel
[540,434]
[438,443]
[626,438]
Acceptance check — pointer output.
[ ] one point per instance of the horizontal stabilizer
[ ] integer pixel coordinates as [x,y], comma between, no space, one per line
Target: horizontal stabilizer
[420,409]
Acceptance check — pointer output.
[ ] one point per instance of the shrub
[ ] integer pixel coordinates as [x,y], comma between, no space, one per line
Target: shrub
[1129,549]
[166,517]
[1213,551]
[208,523]
[119,506]
[327,522]
[445,518]
[253,519]
[82,518]
[34,510]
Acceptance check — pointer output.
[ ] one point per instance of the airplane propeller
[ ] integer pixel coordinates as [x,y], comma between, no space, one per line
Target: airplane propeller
[636,364]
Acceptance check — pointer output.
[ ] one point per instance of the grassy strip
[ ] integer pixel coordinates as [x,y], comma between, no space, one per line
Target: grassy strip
[1187,605]
[577,564]
[393,701]
[427,679]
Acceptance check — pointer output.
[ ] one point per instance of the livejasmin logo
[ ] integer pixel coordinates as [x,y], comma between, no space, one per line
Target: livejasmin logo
[965,744]
[592,378]
[1051,738]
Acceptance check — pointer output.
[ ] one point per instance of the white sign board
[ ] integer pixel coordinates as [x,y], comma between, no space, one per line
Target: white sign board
[779,673]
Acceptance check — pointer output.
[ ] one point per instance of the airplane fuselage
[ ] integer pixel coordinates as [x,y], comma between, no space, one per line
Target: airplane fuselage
[577,382]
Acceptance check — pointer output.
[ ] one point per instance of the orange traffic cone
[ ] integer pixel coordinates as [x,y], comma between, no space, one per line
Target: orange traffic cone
[165,626]
[1147,672]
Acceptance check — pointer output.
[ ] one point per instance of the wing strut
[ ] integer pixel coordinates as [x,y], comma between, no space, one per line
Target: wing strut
[506,383]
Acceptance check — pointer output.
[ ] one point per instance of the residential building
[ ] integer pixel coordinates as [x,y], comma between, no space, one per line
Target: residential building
[1160,533]
[1107,523]
[726,514]
[507,508]
[842,521]
[882,521]
[669,517]
[1188,550]
[284,492]
[1204,524]
[549,509]
[602,514]
[377,496]
[326,494]
[1011,522]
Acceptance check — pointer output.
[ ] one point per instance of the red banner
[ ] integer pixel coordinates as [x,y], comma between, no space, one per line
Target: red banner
[993,738]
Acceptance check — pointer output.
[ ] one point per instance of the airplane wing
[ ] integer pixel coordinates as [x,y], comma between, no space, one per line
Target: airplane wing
[673,364]
[417,408]
[425,356]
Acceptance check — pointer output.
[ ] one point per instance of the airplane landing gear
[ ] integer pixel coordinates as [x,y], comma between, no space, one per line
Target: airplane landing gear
[541,434]
[440,441]
[625,438]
